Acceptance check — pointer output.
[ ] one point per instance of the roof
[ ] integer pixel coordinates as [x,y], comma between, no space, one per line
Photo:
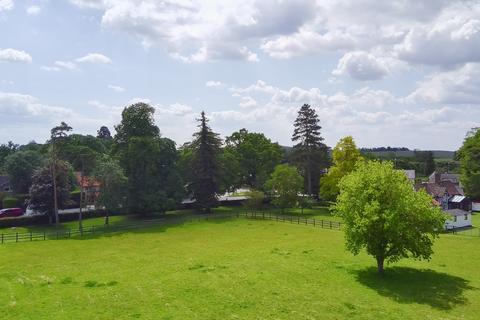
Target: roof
[432,189]
[457,199]
[410,174]
[86,182]
[456,212]
[452,188]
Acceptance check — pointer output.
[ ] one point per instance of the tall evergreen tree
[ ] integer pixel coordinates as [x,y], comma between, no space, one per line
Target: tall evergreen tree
[309,152]
[206,166]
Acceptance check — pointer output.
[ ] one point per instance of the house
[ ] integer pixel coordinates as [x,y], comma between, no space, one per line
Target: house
[444,187]
[459,202]
[437,177]
[90,186]
[458,219]
[410,175]
[5,184]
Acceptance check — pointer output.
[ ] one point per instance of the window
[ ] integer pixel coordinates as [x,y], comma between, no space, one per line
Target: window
[465,216]
[455,219]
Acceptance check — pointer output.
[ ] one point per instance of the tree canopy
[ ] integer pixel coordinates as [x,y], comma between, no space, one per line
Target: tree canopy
[256,156]
[383,214]
[469,155]
[206,166]
[310,154]
[284,185]
[345,156]
[20,167]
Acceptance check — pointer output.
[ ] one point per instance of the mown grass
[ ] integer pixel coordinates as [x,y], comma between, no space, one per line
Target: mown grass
[316,212]
[232,269]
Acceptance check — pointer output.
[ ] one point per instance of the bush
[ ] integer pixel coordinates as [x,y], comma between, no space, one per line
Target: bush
[254,200]
[9,202]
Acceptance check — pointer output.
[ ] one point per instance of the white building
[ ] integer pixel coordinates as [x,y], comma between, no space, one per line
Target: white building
[458,219]
[476,206]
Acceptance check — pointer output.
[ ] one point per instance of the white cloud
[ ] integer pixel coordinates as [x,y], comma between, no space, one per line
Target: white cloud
[362,66]
[214,84]
[116,88]
[13,55]
[452,38]
[6,5]
[94,58]
[64,64]
[248,102]
[459,86]
[27,106]
[33,10]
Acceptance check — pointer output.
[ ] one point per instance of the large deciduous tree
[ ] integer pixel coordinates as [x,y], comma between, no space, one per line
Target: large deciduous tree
[383,214]
[149,161]
[284,185]
[310,154]
[206,166]
[113,185]
[469,155]
[20,167]
[256,155]
[345,156]
[42,189]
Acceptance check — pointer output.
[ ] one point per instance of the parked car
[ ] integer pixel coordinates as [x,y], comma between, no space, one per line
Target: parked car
[11,212]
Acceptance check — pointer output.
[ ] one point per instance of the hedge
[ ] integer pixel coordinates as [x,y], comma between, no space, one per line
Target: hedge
[9,202]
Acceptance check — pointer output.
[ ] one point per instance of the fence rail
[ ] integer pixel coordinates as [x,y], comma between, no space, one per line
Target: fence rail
[104,229]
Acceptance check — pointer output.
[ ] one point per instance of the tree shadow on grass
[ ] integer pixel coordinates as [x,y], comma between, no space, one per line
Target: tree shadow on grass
[407,285]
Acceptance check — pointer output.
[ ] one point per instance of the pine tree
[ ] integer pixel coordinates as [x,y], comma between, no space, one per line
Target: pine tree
[206,166]
[310,153]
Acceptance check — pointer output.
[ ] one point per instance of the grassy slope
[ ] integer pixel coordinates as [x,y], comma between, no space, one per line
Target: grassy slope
[238,269]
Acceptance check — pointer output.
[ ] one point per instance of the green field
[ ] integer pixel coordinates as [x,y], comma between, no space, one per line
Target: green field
[232,269]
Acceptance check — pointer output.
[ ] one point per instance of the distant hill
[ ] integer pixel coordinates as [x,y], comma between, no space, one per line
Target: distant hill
[397,152]
[437,154]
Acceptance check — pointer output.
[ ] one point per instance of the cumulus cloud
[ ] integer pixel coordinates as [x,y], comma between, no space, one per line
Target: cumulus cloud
[459,86]
[361,65]
[6,5]
[451,39]
[27,106]
[13,55]
[94,58]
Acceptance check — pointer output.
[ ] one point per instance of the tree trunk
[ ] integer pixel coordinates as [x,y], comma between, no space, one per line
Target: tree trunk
[106,217]
[380,262]
[80,215]
[55,201]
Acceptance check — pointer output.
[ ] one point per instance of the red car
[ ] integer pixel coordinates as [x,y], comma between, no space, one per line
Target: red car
[11,212]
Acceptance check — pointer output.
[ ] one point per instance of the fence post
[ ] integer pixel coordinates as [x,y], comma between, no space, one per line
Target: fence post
[16,237]
[93,229]
[298,220]
[314,222]
[44,236]
[2,238]
[30,236]
[57,235]
[330,224]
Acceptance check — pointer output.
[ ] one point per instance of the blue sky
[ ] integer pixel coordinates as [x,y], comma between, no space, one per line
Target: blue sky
[398,73]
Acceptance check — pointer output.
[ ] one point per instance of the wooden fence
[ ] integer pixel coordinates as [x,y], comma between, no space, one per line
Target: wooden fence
[112,228]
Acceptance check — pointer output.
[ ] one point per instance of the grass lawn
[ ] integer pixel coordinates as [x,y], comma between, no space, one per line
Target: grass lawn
[321,213]
[232,269]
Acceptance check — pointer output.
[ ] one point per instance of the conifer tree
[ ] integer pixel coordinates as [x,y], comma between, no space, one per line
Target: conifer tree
[309,153]
[206,166]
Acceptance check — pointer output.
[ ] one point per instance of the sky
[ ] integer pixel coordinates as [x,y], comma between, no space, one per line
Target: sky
[402,73]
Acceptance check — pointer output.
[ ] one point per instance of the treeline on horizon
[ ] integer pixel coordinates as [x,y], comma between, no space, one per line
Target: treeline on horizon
[144,172]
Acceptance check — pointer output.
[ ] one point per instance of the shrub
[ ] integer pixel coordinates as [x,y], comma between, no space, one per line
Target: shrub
[9,202]
[254,200]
